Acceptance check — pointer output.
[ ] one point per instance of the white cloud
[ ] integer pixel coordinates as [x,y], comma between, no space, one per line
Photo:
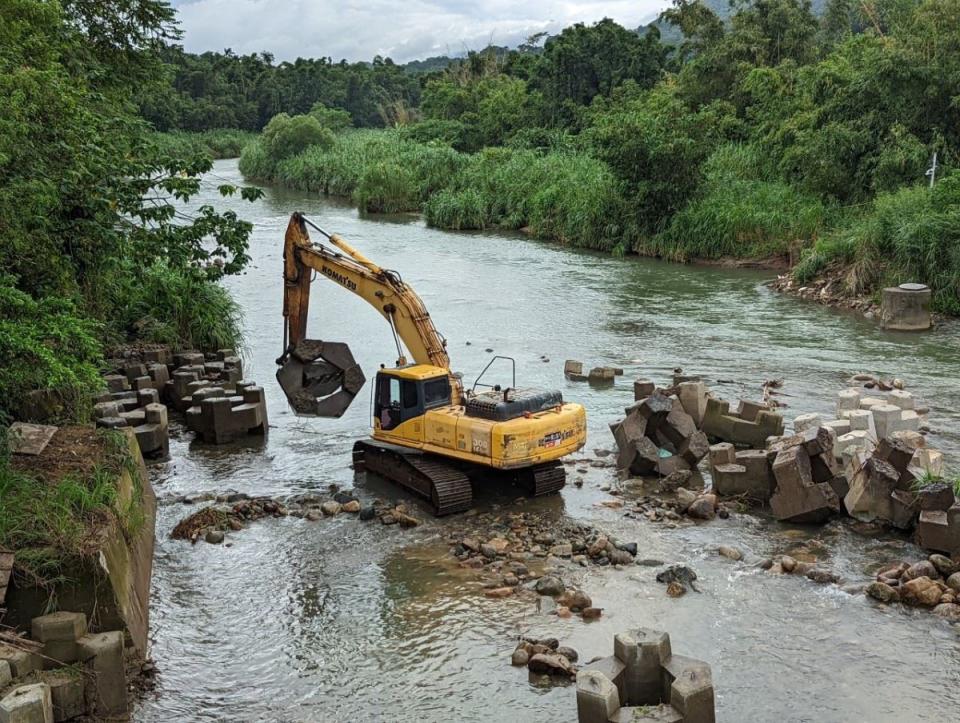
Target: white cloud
[401,30]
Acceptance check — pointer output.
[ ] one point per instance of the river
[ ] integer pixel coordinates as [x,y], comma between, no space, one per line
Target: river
[341,620]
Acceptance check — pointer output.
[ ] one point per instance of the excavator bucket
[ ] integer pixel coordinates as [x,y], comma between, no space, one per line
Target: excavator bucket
[320,378]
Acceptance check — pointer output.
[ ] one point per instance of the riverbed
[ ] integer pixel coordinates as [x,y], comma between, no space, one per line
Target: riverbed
[342,620]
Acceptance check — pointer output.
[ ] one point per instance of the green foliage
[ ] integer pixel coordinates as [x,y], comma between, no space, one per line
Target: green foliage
[88,194]
[164,305]
[284,136]
[226,90]
[45,345]
[50,521]
[656,144]
[334,119]
[912,234]
[218,143]
[742,219]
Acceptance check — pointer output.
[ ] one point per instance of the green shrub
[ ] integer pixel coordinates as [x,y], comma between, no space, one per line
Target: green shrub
[46,344]
[457,210]
[387,188]
[912,234]
[187,311]
[285,136]
[221,143]
[335,119]
[742,211]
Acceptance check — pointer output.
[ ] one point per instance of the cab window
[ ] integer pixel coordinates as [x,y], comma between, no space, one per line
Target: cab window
[436,392]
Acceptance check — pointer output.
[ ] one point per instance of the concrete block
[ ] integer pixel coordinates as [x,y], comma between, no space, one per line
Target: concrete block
[797,497]
[870,489]
[911,438]
[886,418]
[906,307]
[909,421]
[613,668]
[693,397]
[597,697]
[750,427]
[58,626]
[861,420]
[217,419]
[900,398]
[937,496]
[805,422]
[840,427]
[28,704]
[691,689]
[6,675]
[21,662]
[868,403]
[896,452]
[722,453]
[103,656]
[847,400]
[601,376]
[936,531]
[642,388]
[905,507]
[116,382]
[643,651]
[67,695]
[694,448]
[859,439]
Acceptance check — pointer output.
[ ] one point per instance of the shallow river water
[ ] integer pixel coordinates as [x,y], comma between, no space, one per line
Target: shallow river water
[341,620]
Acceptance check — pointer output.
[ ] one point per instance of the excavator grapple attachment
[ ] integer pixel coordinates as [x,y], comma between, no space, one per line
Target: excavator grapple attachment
[320,378]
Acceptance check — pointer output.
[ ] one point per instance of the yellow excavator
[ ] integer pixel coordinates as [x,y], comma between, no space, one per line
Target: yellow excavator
[430,435]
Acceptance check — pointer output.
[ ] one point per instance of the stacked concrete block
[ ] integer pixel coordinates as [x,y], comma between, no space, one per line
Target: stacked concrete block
[59,633]
[883,483]
[106,691]
[807,477]
[658,437]
[19,660]
[142,411]
[693,397]
[28,704]
[146,376]
[939,529]
[745,473]
[652,684]
[573,370]
[218,418]
[67,693]
[847,401]
[805,422]
[749,426]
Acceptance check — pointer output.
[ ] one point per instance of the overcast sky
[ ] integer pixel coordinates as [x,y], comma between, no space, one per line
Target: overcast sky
[403,30]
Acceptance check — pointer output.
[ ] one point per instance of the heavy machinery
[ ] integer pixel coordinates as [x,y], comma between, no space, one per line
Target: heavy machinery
[430,435]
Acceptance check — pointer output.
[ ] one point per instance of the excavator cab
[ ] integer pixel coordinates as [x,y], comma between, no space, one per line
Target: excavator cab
[406,393]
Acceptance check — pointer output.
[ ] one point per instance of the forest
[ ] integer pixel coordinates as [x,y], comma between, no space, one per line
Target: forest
[770,130]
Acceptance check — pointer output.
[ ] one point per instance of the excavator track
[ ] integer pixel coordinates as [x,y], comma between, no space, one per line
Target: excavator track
[445,486]
[544,479]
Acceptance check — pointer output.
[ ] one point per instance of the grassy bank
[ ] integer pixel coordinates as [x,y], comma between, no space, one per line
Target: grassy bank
[55,505]
[219,143]
[566,197]
[740,209]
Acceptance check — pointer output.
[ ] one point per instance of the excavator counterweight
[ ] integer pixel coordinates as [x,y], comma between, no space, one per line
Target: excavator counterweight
[429,434]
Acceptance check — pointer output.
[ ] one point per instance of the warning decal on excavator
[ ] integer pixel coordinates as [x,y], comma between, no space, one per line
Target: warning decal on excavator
[555,438]
[338,277]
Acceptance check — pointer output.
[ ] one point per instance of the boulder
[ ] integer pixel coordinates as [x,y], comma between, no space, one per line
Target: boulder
[944,565]
[920,591]
[882,592]
[551,664]
[550,585]
[703,507]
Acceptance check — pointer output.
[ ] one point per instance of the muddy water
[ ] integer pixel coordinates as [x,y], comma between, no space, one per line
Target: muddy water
[337,620]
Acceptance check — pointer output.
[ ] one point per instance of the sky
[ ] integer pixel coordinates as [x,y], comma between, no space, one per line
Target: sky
[403,30]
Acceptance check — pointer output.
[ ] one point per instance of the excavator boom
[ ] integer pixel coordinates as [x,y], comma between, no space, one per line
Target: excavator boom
[321,378]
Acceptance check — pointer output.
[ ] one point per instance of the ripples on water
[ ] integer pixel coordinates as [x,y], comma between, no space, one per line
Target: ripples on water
[338,620]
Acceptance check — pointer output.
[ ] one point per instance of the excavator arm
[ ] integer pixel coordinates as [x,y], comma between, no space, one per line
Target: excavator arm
[321,378]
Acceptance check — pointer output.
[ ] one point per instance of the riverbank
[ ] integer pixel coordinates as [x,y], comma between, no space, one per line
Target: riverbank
[569,197]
